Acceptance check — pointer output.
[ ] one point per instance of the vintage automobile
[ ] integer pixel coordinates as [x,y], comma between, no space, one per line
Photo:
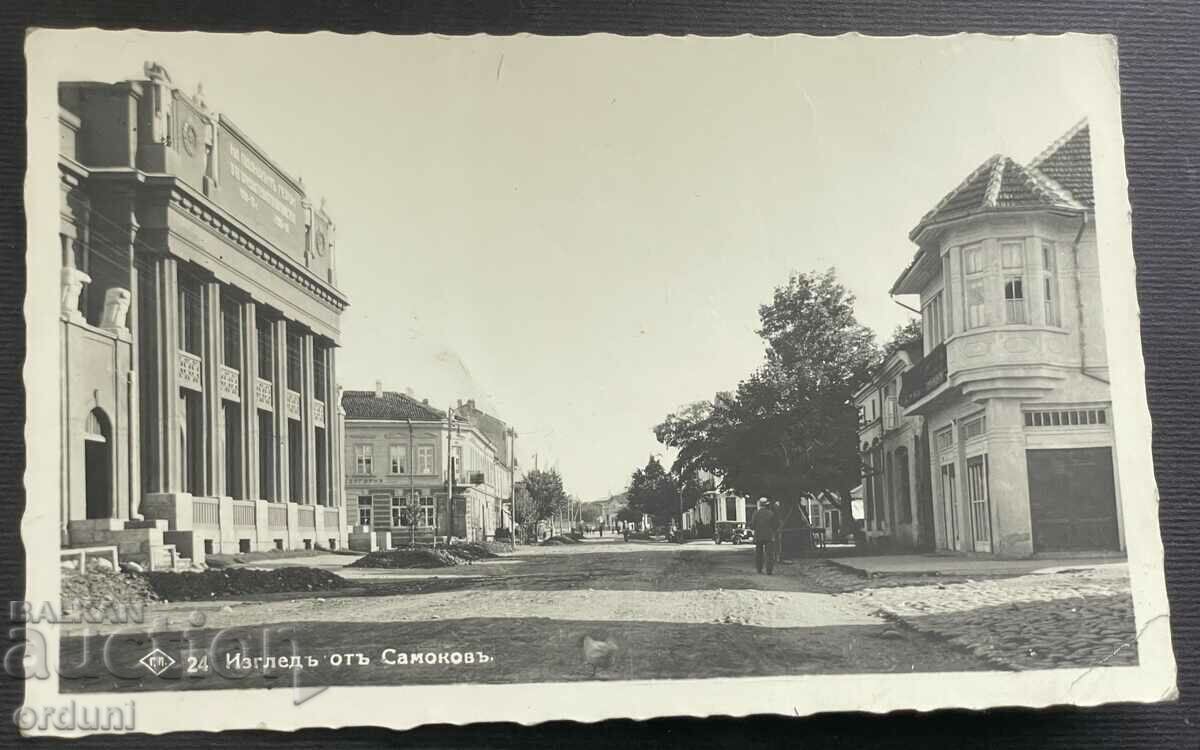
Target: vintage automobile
[732,531]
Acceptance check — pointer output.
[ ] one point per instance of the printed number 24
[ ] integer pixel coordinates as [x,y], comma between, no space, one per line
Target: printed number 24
[197,664]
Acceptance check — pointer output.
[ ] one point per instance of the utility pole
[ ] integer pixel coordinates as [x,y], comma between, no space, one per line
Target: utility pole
[449,478]
[413,504]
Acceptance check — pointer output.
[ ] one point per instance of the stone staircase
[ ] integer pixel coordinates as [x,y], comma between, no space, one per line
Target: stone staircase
[136,541]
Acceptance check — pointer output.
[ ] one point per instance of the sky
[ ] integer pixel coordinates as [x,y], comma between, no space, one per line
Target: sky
[578,232]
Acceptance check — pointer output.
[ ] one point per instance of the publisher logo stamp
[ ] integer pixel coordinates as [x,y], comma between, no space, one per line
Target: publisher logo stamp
[157,661]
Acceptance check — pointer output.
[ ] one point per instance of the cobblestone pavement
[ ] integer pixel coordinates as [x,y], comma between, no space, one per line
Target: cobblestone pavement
[1072,618]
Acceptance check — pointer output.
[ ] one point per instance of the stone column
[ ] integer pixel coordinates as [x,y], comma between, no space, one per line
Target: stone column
[167,342]
[335,427]
[214,414]
[250,482]
[282,467]
[307,429]
[1008,480]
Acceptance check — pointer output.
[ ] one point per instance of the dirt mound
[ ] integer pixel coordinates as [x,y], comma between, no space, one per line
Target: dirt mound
[478,550]
[230,582]
[554,541]
[427,557]
[103,589]
[408,558]
[249,558]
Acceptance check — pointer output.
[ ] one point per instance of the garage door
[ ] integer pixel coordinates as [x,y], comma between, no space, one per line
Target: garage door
[1072,499]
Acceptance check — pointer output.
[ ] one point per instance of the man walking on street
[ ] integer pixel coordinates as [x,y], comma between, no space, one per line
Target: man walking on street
[765,524]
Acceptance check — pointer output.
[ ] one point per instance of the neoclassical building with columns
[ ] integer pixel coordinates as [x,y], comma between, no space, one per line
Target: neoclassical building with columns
[200,319]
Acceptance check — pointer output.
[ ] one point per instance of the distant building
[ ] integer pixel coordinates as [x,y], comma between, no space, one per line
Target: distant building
[200,321]
[1013,383]
[897,498]
[399,455]
[504,439]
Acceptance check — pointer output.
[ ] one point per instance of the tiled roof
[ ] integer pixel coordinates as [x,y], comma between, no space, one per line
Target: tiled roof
[1068,162]
[1061,177]
[391,405]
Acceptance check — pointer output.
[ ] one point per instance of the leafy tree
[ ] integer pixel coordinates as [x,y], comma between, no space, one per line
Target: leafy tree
[790,428]
[654,492]
[546,494]
[904,335]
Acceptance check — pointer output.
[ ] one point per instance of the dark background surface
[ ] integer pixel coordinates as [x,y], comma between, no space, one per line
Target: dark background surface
[1160,87]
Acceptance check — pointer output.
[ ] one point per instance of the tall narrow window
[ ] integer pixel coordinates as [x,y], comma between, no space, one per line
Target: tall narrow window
[1014,299]
[1050,282]
[293,361]
[190,314]
[231,332]
[266,348]
[1012,260]
[320,365]
[975,296]
[933,318]
[947,308]
[266,456]
[425,459]
[398,458]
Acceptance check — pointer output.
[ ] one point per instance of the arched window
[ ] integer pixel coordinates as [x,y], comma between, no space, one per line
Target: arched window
[97,465]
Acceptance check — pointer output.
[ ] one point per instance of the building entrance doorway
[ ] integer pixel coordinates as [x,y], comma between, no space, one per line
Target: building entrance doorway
[97,466]
[950,500]
[1072,499]
[980,503]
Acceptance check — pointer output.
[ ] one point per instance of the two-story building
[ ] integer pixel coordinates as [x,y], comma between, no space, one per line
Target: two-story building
[1013,382]
[414,474]
[897,497]
[200,319]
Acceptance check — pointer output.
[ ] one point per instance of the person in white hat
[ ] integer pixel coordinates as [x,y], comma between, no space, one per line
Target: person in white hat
[765,524]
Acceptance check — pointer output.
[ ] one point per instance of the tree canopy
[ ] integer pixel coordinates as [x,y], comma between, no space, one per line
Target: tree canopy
[790,428]
[654,492]
[546,494]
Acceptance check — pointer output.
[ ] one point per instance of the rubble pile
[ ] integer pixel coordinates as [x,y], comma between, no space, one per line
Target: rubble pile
[102,588]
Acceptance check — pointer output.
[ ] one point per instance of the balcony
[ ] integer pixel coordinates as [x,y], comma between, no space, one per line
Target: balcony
[924,378]
[292,402]
[190,367]
[264,394]
[230,384]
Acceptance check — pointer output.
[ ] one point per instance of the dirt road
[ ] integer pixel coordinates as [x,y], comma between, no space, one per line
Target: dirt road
[670,611]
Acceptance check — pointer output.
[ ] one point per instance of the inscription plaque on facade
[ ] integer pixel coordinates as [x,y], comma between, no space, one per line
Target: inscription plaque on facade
[259,193]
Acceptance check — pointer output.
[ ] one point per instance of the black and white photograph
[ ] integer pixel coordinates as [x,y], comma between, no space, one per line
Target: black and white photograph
[397,380]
